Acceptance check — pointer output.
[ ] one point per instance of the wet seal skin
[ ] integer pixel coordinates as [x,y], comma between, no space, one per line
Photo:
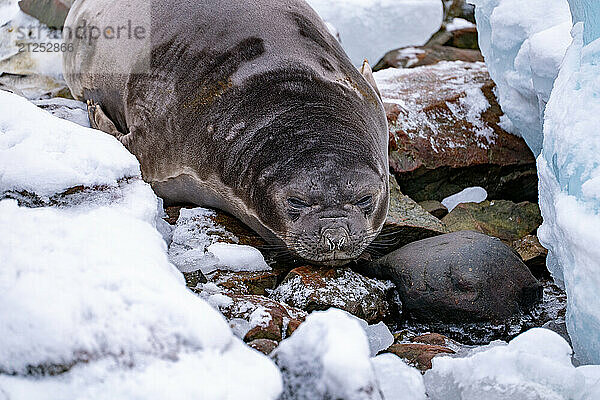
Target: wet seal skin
[251,107]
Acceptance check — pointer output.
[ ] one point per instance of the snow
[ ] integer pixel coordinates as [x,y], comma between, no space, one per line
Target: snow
[236,257]
[569,170]
[459,23]
[397,380]
[536,365]
[197,244]
[523,44]
[370,28]
[90,306]
[474,194]
[46,155]
[328,357]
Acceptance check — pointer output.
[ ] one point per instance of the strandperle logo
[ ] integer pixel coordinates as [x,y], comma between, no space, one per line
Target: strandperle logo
[90,33]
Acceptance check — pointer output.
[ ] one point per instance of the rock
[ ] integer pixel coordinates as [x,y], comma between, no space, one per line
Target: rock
[253,317]
[431,338]
[417,354]
[71,110]
[412,57]
[406,222]
[192,279]
[533,255]
[235,227]
[246,282]
[313,288]
[265,346]
[50,12]
[499,218]
[435,208]
[445,134]
[463,38]
[460,277]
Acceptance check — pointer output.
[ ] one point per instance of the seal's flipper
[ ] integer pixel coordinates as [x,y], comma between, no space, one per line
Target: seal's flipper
[367,73]
[99,120]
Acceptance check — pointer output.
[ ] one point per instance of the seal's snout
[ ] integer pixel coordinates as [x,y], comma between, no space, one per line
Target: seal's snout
[334,239]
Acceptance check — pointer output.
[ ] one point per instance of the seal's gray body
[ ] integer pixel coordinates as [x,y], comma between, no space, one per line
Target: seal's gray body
[237,101]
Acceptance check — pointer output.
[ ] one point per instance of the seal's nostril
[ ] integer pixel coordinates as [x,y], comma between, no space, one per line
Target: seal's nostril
[335,238]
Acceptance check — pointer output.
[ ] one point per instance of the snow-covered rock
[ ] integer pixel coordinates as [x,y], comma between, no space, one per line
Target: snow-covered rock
[370,28]
[199,242]
[569,169]
[90,306]
[328,357]
[71,110]
[523,44]
[536,365]
[45,155]
[475,194]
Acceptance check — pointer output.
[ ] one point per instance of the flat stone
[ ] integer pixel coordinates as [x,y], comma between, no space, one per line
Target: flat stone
[417,354]
[412,57]
[499,218]
[460,277]
[445,134]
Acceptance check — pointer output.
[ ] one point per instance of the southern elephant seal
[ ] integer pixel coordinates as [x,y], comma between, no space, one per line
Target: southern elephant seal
[250,106]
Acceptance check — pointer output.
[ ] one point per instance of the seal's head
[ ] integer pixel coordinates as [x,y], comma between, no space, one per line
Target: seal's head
[328,214]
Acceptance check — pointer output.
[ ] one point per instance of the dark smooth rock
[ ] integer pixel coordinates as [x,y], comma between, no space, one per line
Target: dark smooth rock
[460,277]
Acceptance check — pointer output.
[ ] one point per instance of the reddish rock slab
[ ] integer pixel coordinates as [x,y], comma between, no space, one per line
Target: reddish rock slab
[445,134]
[265,346]
[412,57]
[417,354]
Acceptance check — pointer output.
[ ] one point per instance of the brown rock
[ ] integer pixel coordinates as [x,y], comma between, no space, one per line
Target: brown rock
[265,346]
[313,288]
[418,355]
[445,134]
[268,318]
[241,283]
[431,338]
[533,255]
[434,208]
[499,218]
[464,38]
[412,57]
